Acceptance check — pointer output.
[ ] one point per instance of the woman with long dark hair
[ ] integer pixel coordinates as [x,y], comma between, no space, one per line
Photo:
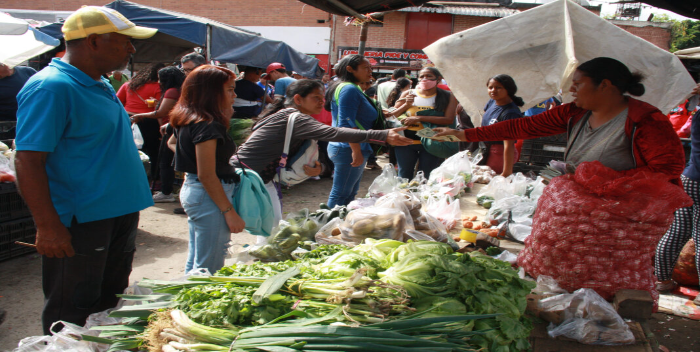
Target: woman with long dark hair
[425,104]
[504,105]
[202,150]
[402,84]
[604,123]
[140,96]
[170,80]
[263,149]
[350,108]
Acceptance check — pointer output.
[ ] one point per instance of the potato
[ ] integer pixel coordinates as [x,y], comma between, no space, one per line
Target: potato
[467,224]
[485,225]
[473,218]
[456,238]
[335,231]
[363,227]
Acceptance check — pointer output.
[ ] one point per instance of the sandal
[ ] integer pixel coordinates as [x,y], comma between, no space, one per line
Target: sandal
[666,286]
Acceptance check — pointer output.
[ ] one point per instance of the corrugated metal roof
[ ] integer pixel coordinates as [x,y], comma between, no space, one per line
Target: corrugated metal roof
[481,11]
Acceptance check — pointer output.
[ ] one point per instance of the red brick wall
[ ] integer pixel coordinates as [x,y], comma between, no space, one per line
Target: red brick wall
[236,12]
[390,35]
[462,23]
[660,37]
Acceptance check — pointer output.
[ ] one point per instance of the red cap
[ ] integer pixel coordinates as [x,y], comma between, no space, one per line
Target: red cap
[274,66]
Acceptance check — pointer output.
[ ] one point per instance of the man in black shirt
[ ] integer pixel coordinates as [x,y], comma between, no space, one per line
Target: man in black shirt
[248,103]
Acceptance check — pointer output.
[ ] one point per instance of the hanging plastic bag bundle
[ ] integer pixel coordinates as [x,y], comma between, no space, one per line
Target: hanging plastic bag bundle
[598,229]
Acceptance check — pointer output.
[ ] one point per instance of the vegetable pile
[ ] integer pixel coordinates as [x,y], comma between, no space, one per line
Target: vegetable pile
[382,295]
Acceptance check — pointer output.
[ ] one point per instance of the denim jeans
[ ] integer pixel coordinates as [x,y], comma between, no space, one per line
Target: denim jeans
[88,282]
[406,158]
[209,233]
[346,179]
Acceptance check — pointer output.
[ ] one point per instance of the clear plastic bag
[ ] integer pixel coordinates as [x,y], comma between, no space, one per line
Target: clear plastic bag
[404,201]
[431,226]
[445,209]
[360,203]
[373,222]
[286,237]
[68,339]
[587,318]
[7,169]
[547,285]
[388,181]
[138,138]
[330,233]
[453,175]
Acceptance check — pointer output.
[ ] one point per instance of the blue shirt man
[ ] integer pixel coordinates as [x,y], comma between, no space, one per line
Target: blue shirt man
[93,167]
[78,168]
[276,72]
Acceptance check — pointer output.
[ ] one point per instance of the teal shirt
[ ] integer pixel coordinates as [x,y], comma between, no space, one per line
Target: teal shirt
[352,108]
[93,166]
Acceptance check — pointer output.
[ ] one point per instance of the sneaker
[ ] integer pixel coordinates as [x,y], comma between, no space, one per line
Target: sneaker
[180,211]
[159,197]
[372,164]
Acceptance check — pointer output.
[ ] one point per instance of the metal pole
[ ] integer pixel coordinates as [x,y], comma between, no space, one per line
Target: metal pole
[209,43]
[363,38]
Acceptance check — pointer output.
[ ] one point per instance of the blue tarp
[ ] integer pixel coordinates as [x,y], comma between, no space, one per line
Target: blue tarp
[228,43]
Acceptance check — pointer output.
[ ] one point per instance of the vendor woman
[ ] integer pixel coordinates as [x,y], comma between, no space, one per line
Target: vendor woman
[603,123]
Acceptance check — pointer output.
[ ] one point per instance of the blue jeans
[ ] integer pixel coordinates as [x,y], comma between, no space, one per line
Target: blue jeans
[406,158]
[209,233]
[346,179]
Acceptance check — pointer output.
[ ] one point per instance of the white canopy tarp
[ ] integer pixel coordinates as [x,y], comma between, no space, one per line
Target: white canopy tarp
[20,42]
[541,48]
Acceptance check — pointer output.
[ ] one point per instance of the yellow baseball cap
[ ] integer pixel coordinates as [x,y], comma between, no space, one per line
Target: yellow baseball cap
[100,20]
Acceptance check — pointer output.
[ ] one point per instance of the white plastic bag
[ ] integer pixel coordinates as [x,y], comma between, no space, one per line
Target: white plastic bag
[373,222]
[138,138]
[68,339]
[445,209]
[587,318]
[292,166]
[453,175]
[388,181]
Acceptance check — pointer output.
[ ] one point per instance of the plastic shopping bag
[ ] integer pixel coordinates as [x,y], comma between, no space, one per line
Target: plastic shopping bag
[138,138]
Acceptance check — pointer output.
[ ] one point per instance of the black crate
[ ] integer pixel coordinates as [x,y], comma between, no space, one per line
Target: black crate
[12,205]
[541,151]
[7,130]
[526,168]
[22,230]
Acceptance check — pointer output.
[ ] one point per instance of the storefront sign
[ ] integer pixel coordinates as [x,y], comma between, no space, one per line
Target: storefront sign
[385,57]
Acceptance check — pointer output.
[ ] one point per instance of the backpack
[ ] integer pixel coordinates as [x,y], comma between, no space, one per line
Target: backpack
[291,170]
[379,123]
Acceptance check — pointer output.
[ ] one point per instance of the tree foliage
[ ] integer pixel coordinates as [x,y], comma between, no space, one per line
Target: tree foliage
[684,34]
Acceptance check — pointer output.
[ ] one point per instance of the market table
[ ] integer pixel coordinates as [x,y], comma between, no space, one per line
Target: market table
[470,208]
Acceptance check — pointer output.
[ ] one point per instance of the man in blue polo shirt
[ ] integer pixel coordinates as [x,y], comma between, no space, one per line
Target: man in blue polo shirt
[78,168]
[277,73]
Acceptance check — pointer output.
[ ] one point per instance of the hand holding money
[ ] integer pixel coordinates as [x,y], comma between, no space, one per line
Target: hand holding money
[444,132]
[432,134]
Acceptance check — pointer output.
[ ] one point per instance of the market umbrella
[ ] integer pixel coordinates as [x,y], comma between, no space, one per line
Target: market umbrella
[20,42]
[541,48]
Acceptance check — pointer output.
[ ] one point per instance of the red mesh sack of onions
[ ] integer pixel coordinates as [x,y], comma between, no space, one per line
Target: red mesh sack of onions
[599,228]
